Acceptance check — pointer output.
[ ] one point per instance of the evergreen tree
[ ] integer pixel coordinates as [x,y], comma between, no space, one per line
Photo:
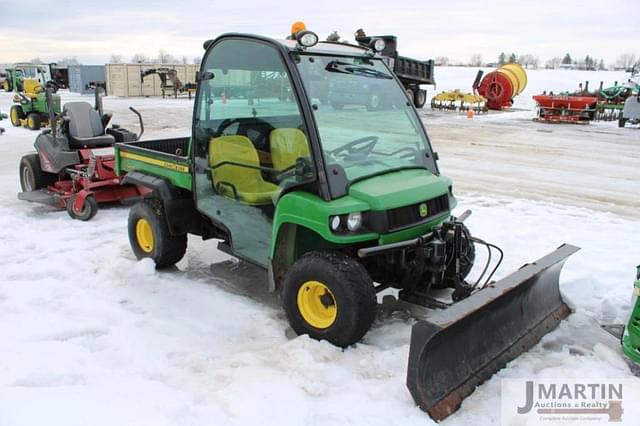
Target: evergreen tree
[512,58]
[501,58]
[567,59]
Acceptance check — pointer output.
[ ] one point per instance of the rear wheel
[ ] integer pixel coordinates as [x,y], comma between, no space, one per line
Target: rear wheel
[88,211]
[31,175]
[33,121]
[16,114]
[329,296]
[6,85]
[420,98]
[410,93]
[149,235]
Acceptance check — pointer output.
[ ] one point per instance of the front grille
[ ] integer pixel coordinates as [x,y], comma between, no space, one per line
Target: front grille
[408,215]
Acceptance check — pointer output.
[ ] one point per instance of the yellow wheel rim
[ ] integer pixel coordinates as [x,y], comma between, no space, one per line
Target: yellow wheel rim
[6,86]
[31,123]
[14,116]
[316,304]
[144,235]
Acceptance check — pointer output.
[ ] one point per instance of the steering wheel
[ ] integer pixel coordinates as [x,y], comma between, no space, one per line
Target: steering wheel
[52,85]
[361,147]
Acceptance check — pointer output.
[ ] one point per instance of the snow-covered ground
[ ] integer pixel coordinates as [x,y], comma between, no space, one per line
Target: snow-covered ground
[88,335]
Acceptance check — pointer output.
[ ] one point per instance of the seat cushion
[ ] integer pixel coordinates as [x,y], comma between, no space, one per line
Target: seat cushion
[94,142]
[241,180]
[84,121]
[287,145]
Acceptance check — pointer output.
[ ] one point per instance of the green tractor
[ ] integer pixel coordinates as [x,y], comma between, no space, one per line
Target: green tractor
[631,335]
[30,107]
[336,206]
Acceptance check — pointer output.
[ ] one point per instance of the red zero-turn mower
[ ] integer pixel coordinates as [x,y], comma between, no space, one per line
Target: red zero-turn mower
[65,172]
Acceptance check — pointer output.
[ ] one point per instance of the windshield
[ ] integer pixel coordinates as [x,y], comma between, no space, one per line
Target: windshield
[364,120]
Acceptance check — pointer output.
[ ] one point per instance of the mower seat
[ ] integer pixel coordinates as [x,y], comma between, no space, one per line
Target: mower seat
[85,127]
[31,87]
[241,180]
[287,145]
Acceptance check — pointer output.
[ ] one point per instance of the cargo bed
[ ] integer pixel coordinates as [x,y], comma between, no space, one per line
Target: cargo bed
[164,158]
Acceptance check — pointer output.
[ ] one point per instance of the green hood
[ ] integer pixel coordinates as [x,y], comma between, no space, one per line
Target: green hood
[401,188]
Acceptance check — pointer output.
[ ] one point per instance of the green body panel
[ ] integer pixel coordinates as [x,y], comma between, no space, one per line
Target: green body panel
[39,105]
[130,159]
[631,337]
[312,212]
[399,189]
[379,193]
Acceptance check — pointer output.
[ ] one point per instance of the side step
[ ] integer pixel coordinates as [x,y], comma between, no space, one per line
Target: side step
[462,346]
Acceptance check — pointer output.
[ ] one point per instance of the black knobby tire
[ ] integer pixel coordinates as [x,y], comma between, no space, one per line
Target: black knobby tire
[420,98]
[32,177]
[15,115]
[33,121]
[410,93]
[166,249]
[351,287]
[89,208]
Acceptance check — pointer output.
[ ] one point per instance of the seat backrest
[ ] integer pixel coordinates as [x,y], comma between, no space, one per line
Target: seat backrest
[84,121]
[287,145]
[30,86]
[237,149]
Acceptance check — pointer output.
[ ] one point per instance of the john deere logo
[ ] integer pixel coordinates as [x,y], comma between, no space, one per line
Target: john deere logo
[424,210]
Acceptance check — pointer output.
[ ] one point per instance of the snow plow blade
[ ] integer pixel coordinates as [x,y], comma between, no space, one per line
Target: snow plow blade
[462,346]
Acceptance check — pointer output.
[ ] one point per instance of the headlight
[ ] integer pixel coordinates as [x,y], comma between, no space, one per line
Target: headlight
[354,221]
[307,38]
[335,223]
[379,45]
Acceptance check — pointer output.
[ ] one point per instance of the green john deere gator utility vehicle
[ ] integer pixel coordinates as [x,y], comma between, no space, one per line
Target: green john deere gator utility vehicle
[336,206]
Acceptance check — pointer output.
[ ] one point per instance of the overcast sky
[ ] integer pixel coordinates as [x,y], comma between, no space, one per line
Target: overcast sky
[92,31]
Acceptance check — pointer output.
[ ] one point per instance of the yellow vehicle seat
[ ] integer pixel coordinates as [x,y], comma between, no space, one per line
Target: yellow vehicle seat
[31,87]
[234,181]
[287,145]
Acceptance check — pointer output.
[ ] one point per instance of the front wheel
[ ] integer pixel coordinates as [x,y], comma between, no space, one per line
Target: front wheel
[149,235]
[33,121]
[329,296]
[88,210]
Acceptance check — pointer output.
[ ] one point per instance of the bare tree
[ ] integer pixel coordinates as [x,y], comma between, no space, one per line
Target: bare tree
[68,61]
[553,63]
[115,59]
[197,60]
[165,58]
[476,60]
[139,58]
[442,60]
[626,60]
[185,60]
[36,61]
[529,59]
